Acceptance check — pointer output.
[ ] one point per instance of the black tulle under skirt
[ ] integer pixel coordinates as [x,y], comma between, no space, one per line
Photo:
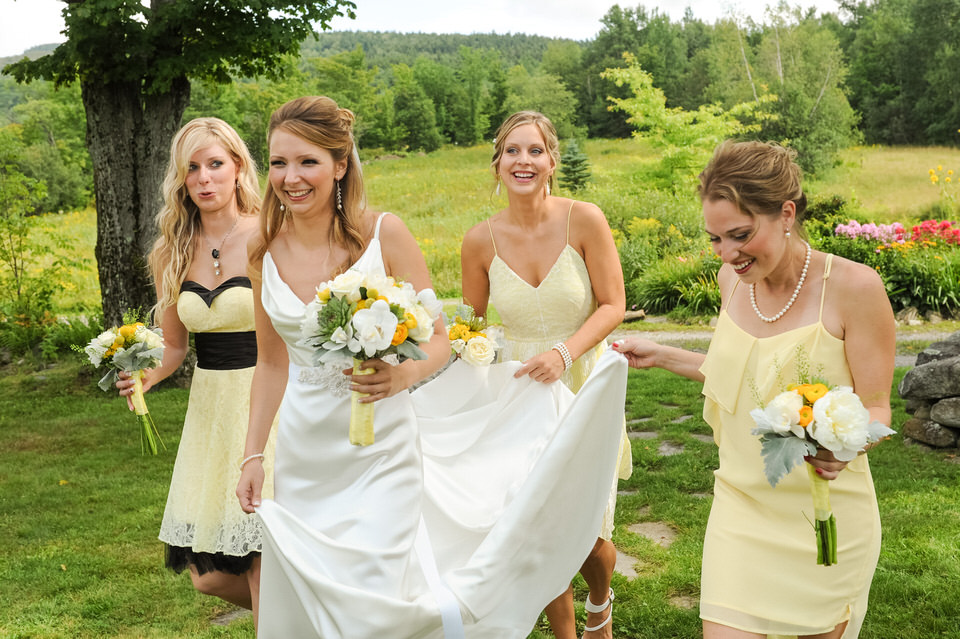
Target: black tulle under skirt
[178,559]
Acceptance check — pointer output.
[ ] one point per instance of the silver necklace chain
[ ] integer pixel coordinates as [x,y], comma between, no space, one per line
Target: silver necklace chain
[215,252]
[793,298]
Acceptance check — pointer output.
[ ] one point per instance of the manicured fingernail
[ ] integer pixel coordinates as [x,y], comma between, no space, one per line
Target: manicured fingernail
[819,471]
[616,344]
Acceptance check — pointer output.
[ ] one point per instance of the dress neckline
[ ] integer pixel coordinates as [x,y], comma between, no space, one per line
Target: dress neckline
[210,294]
[806,327]
[373,240]
[553,267]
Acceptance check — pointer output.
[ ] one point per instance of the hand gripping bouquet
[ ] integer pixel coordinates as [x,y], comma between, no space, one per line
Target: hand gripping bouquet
[131,348]
[468,340]
[357,316]
[807,416]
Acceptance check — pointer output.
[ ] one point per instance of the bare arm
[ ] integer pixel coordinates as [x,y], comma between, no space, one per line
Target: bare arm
[869,339]
[404,261]
[475,255]
[643,353]
[266,393]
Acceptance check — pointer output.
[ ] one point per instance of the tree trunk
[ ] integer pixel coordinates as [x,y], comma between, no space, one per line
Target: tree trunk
[128,135]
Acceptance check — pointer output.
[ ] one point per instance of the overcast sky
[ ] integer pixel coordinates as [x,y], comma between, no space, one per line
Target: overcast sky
[27,23]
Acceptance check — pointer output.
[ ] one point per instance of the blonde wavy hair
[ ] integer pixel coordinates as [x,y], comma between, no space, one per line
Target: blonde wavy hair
[518,119]
[319,121]
[178,221]
[756,177]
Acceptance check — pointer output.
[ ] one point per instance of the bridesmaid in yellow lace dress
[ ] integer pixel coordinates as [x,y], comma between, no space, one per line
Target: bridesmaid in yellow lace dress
[550,267]
[199,262]
[760,575]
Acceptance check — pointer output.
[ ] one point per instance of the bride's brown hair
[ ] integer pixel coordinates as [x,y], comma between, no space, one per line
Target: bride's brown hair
[319,121]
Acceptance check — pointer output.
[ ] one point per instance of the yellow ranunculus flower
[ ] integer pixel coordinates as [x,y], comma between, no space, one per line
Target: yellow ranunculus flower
[127,330]
[324,295]
[814,392]
[806,416]
[409,320]
[400,334]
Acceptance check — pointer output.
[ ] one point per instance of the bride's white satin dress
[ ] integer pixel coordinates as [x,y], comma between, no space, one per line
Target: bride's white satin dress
[510,478]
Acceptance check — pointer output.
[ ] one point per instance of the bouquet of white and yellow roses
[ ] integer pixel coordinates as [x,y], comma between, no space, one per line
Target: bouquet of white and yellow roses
[468,338]
[795,423]
[130,348]
[357,316]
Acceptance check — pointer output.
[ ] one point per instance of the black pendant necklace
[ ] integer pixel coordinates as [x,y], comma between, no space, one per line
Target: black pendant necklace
[215,252]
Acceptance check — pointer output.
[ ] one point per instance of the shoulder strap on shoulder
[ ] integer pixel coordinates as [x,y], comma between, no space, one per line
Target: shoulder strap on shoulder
[569,212]
[490,227]
[376,230]
[826,276]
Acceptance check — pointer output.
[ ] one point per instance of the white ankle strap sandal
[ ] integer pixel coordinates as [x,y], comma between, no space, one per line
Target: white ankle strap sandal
[592,607]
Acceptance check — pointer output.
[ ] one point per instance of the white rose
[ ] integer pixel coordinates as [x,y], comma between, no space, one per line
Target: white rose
[424,328]
[152,340]
[841,423]
[479,351]
[373,329]
[347,284]
[106,338]
[781,415]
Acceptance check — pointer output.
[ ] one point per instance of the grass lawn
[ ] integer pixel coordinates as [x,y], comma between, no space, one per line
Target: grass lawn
[80,509]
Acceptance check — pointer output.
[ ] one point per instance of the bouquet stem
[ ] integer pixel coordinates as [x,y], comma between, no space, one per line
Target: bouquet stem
[361,415]
[824,523]
[149,436]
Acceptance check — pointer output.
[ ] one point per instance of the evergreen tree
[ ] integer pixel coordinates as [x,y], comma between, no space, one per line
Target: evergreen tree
[574,168]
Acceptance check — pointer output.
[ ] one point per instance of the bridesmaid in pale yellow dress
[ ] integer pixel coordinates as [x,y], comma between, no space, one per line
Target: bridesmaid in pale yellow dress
[760,574]
[550,267]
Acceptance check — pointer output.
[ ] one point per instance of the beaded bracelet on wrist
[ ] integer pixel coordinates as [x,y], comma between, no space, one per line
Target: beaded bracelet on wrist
[561,348]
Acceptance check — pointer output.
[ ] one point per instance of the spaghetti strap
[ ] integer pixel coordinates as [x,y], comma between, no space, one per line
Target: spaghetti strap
[826,276]
[490,227]
[376,230]
[569,211]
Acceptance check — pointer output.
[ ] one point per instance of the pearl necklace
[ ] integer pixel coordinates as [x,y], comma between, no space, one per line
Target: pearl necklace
[215,252]
[793,298]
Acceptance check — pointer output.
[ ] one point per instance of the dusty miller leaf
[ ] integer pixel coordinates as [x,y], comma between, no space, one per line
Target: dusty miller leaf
[781,454]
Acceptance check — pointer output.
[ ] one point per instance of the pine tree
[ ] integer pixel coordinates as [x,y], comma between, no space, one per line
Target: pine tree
[574,168]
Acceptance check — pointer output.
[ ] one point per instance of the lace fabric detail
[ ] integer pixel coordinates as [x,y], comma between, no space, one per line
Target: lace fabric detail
[328,376]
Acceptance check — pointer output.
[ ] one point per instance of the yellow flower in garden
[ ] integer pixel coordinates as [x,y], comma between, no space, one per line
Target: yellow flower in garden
[948,180]
[939,167]
[934,179]
[932,171]
[814,392]
[950,172]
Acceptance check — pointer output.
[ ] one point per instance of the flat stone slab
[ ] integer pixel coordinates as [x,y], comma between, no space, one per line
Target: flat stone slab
[656,531]
[642,434]
[626,566]
[639,420]
[706,439]
[681,419]
[228,618]
[668,449]
[684,601]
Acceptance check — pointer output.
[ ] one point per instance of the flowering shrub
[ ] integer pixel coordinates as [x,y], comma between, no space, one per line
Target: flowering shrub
[886,233]
[936,232]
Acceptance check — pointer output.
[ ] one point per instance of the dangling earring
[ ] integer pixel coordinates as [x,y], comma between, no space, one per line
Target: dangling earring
[548,188]
[497,191]
[282,207]
[339,198]
[787,234]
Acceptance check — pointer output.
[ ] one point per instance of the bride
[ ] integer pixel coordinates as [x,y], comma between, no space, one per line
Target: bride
[446,525]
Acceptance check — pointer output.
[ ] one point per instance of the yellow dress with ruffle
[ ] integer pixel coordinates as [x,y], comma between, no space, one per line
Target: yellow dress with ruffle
[760,571]
[202,513]
[536,318]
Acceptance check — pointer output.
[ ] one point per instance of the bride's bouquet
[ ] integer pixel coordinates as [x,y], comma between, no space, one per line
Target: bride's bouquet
[808,415]
[468,340]
[357,316]
[131,348]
